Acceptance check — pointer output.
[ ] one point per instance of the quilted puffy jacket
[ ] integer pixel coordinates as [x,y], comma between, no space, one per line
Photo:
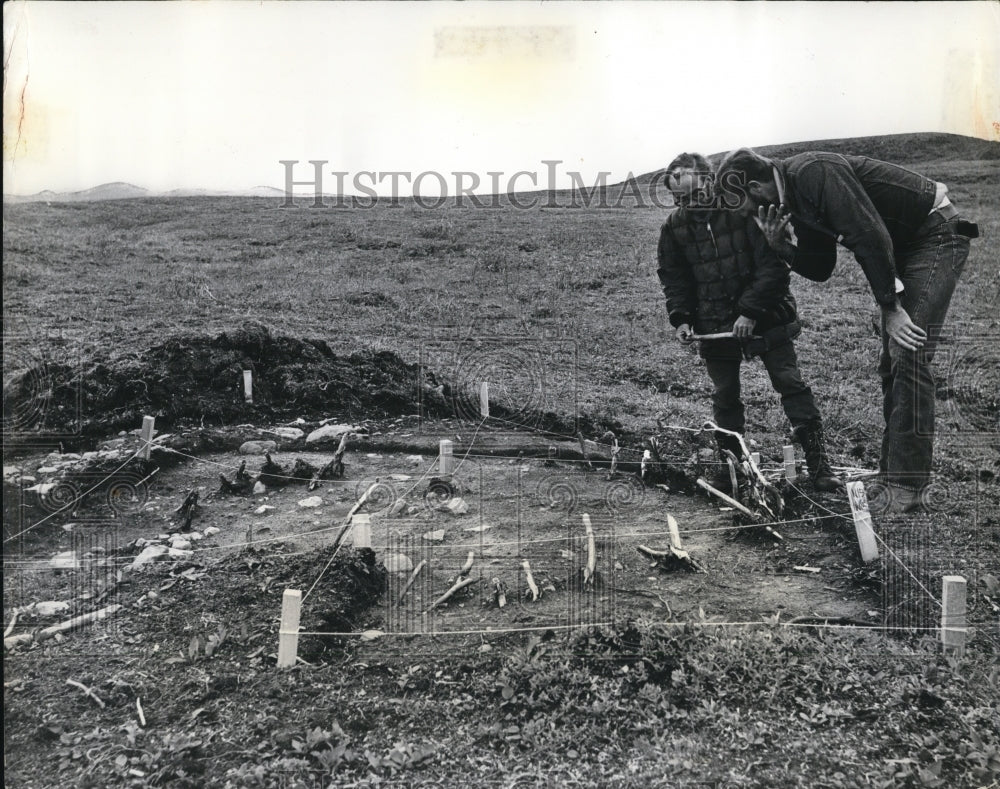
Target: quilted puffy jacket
[715,266]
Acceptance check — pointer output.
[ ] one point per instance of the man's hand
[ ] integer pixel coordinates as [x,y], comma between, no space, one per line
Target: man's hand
[901,329]
[773,223]
[743,327]
[684,334]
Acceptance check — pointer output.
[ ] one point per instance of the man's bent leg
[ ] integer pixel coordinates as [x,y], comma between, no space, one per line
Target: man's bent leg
[782,367]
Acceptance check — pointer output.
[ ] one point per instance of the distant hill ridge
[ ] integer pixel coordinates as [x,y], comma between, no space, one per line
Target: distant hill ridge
[906,149]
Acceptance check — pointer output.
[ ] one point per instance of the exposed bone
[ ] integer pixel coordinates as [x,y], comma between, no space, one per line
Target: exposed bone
[409,584]
[532,587]
[242,482]
[734,503]
[681,556]
[86,690]
[62,627]
[460,584]
[335,468]
[500,592]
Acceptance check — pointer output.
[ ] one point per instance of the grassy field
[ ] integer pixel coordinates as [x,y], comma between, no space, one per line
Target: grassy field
[565,310]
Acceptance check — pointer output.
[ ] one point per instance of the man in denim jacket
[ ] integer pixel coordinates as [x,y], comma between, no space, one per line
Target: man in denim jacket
[720,276]
[912,246]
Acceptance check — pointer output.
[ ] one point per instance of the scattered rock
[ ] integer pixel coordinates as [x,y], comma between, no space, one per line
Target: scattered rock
[480,528]
[179,553]
[457,506]
[312,501]
[47,470]
[257,447]
[211,530]
[149,554]
[195,536]
[434,536]
[415,460]
[51,607]
[263,509]
[67,560]
[330,433]
[288,433]
[259,488]
[398,563]
[180,545]
[399,477]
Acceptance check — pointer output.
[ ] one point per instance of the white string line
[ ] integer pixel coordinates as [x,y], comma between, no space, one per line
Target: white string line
[892,553]
[349,524]
[77,499]
[499,543]
[341,537]
[535,628]
[346,527]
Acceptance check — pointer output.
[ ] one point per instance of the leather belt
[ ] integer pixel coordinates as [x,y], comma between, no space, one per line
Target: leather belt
[947,213]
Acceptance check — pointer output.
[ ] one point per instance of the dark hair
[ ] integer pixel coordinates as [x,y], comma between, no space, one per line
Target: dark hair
[749,165]
[689,161]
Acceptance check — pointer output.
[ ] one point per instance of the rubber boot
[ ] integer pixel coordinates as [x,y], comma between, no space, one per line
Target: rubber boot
[810,436]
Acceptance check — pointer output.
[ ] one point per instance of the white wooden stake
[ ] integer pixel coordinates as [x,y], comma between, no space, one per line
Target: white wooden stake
[755,457]
[362,530]
[591,566]
[953,609]
[858,500]
[789,455]
[288,632]
[484,400]
[446,460]
[248,386]
[146,436]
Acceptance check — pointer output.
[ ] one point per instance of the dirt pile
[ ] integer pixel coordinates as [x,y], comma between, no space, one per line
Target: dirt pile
[199,378]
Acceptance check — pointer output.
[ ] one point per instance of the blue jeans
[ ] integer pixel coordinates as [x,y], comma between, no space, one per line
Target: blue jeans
[723,360]
[929,267]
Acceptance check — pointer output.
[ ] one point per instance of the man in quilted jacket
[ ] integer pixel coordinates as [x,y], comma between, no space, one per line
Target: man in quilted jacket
[719,275]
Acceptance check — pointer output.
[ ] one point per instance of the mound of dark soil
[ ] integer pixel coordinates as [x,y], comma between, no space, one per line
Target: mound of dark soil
[200,378]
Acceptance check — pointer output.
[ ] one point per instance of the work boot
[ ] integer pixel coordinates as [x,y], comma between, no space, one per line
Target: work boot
[810,436]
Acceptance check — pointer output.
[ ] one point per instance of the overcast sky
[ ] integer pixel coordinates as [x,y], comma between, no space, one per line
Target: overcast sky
[213,94]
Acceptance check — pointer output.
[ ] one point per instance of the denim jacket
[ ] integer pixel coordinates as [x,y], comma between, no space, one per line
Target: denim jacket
[871,207]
